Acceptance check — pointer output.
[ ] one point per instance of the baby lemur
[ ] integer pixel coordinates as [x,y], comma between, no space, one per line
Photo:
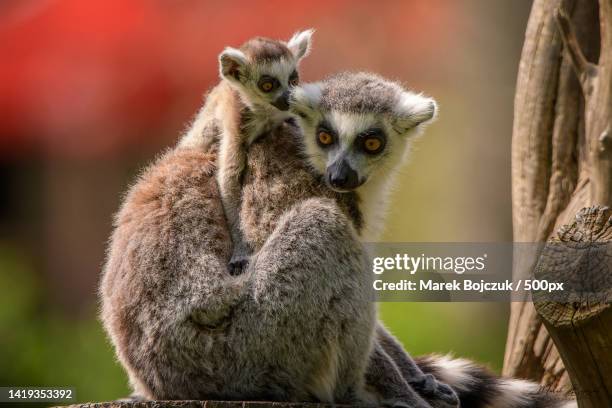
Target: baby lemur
[251,99]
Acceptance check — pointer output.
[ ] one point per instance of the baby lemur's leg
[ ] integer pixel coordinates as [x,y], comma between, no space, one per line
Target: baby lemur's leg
[309,325]
[385,377]
[436,393]
[232,161]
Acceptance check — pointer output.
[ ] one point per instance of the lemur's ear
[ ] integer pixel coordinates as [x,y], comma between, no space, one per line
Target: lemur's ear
[413,110]
[232,64]
[304,100]
[299,44]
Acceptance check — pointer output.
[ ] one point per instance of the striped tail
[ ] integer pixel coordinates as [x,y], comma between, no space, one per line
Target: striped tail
[478,388]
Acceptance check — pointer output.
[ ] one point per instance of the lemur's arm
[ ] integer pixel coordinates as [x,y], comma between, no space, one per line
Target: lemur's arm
[425,384]
[232,161]
[231,165]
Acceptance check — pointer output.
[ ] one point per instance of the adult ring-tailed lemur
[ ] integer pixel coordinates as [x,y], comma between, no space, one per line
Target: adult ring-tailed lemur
[297,323]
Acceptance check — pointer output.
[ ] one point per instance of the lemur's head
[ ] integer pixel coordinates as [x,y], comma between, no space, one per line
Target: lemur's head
[357,124]
[264,70]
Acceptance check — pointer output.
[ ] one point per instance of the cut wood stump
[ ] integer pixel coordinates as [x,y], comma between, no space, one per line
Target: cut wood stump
[581,327]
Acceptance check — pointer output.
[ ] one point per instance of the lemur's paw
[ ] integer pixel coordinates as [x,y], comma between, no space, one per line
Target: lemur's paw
[238,264]
[439,394]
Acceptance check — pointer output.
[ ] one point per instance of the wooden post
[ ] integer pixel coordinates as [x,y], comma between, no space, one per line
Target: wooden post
[581,329]
[561,166]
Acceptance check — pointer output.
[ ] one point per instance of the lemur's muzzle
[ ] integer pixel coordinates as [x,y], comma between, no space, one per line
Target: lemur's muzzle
[341,176]
[282,102]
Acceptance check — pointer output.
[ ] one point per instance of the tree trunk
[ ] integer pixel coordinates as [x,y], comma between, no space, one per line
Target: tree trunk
[562,163]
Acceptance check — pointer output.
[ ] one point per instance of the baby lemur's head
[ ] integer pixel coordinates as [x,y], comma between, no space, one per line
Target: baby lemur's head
[263,70]
[356,125]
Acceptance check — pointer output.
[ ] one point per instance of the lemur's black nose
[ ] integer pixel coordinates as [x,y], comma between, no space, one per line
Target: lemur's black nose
[282,102]
[342,176]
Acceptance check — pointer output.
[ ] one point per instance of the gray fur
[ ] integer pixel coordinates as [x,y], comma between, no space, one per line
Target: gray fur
[185,329]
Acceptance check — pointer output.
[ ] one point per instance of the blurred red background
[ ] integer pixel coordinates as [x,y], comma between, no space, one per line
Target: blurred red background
[89,90]
[89,78]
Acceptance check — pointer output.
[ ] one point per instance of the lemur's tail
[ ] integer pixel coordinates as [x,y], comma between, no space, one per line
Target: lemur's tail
[478,388]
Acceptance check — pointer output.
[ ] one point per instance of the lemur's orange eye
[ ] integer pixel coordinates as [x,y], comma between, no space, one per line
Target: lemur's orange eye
[325,138]
[267,83]
[372,144]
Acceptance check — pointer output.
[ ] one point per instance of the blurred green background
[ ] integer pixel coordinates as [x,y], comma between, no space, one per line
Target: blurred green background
[91,91]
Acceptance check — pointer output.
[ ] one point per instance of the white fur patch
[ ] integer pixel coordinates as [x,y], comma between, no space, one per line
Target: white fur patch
[416,108]
[280,69]
[454,372]
[300,43]
[349,125]
[306,97]
[514,393]
[569,404]
[228,57]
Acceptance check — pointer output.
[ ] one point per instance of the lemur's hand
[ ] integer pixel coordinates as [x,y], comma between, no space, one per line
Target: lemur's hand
[238,264]
[240,258]
[437,393]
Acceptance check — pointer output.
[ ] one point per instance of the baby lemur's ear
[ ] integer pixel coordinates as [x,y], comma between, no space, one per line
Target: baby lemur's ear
[413,110]
[232,64]
[304,100]
[299,44]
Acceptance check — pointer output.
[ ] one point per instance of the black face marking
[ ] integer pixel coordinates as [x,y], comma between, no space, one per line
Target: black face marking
[341,176]
[282,102]
[294,79]
[268,83]
[372,141]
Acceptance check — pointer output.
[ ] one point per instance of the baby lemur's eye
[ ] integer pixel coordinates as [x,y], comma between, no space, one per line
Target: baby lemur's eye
[325,138]
[268,83]
[372,142]
[294,79]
